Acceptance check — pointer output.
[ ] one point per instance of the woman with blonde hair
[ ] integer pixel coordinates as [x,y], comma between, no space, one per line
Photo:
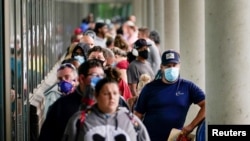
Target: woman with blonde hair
[121,43]
[144,79]
[121,62]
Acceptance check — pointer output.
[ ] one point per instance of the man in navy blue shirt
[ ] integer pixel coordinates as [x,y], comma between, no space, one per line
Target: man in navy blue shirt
[163,104]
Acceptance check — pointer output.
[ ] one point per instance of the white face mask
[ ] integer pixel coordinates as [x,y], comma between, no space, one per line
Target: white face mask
[79,58]
[171,74]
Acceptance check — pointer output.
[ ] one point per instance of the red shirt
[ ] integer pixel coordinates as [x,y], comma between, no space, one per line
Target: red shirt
[122,64]
[124,89]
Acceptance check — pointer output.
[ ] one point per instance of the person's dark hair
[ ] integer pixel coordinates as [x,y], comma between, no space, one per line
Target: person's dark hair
[113,73]
[120,52]
[70,60]
[109,41]
[98,26]
[96,49]
[121,42]
[87,65]
[84,47]
[130,57]
[119,31]
[102,82]
[154,35]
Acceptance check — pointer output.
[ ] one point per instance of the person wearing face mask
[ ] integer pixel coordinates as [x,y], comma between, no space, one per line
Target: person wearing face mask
[61,110]
[67,78]
[163,103]
[139,66]
[89,73]
[80,52]
[105,120]
[66,84]
[153,58]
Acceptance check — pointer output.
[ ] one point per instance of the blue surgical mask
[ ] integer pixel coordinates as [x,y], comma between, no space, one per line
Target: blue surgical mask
[171,74]
[94,80]
[79,58]
[65,87]
[114,64]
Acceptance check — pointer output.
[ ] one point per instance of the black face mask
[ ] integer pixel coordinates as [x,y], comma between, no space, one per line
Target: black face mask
[143,54]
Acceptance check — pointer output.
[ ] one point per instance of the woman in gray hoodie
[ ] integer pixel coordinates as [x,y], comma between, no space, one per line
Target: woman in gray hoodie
[105,121]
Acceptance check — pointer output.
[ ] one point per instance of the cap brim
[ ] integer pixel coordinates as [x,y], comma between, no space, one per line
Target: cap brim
[170,61]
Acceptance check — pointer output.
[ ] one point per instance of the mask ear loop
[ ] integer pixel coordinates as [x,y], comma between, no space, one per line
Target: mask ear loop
[148,49]
[135,51]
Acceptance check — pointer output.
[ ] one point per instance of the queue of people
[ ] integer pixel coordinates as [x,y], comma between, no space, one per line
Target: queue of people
[114,95]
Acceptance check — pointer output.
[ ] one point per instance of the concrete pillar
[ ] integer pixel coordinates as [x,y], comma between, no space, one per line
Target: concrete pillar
[171,24]
[150,14]
[192,40]
[159,21]
[18,18]
[137,11]
[84,10]
[6,26]
[144,6]
[227,61]
[192,46]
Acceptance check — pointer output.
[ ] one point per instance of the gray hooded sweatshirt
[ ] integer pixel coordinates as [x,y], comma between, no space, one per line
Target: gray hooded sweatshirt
[97,126]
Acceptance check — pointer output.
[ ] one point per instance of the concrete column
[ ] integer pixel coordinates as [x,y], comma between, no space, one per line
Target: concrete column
[6,26]
[137,11]
[159,21]
[192,40]
[172,24]
[144,6]
[192,46]
[227,61]
[18,18]
[150,14]
[84,10]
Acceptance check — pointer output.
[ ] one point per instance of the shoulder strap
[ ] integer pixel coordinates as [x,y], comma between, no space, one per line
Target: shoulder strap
[134,122]
[87,103]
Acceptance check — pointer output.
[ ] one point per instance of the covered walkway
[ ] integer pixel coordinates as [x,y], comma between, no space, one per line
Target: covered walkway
[211,35]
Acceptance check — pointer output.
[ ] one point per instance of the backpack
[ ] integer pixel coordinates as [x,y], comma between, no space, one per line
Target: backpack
[118,137]
[77,121]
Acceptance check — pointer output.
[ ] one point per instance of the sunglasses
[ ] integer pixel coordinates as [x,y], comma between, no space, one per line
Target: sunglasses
[66,65]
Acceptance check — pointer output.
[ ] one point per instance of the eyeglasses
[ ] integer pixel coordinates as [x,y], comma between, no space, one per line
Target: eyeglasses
[66,65]
[96,75]
[98,60]
[97,57]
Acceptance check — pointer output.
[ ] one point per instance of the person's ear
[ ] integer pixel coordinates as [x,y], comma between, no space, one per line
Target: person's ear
[162,67]
[80,78]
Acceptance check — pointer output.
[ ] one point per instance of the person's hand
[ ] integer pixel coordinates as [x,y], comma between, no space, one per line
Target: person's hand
[187,130]
[183,136]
